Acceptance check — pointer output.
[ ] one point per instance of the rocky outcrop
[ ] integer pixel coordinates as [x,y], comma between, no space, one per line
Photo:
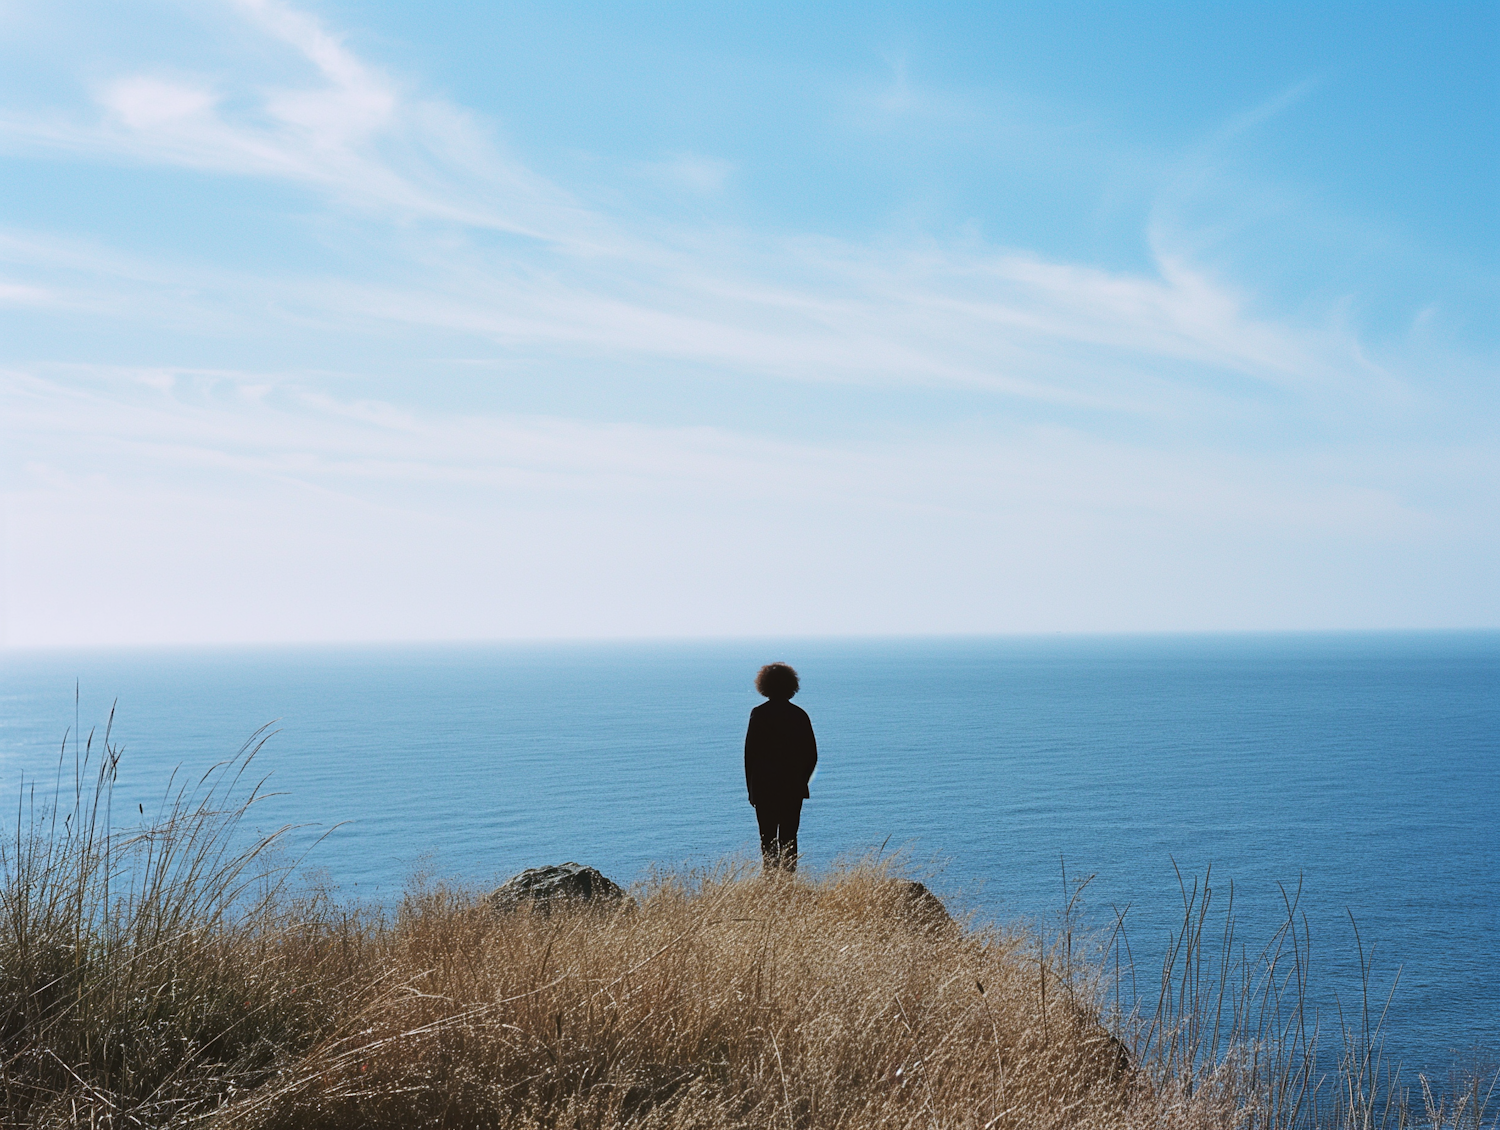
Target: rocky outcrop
[564,883]
[918,907]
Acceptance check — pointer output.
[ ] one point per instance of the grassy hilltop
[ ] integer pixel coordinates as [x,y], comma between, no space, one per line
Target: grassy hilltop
[169,977]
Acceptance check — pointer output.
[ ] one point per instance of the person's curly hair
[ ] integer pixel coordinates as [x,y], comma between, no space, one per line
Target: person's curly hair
[777,680]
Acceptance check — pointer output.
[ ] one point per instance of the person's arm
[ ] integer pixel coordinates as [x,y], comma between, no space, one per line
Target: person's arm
[750,754]
[812,753]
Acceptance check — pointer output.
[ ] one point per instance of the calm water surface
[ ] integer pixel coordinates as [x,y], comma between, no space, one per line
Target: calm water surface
[1364,766]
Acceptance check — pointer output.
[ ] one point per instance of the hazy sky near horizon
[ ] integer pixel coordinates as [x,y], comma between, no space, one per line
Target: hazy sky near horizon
[341,321]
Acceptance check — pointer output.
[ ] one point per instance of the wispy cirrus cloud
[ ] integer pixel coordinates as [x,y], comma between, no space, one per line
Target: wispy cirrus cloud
[275,426]
[1009,324]
[346,129]
[799,308]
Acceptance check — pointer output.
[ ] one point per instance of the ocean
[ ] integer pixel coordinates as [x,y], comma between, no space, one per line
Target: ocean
[1362,767]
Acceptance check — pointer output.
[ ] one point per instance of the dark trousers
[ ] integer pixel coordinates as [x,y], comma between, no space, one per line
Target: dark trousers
[778,820]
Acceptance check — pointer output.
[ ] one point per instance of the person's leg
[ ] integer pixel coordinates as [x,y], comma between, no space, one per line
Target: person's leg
[786,833]
[766,815]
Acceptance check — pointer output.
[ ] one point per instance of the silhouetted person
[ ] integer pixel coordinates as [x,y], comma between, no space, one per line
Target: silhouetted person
[780,755]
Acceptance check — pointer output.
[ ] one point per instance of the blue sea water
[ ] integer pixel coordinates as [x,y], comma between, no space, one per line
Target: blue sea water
[1363,766]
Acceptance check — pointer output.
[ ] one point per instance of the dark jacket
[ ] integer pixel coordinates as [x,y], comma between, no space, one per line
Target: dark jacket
[780,752]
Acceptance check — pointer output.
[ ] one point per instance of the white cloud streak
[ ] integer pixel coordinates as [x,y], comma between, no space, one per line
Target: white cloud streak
[178,423]
[811,309]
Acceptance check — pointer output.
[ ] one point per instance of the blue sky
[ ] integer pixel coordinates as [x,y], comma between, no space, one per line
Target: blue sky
[463,321]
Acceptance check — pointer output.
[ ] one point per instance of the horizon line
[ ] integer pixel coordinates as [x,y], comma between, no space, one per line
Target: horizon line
[821,638]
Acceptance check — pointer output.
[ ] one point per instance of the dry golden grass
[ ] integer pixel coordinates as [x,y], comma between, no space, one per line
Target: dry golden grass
[169,977]
[724,1001]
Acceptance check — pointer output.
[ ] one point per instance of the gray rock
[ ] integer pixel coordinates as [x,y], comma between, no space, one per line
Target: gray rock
[920,907]
[543,887]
